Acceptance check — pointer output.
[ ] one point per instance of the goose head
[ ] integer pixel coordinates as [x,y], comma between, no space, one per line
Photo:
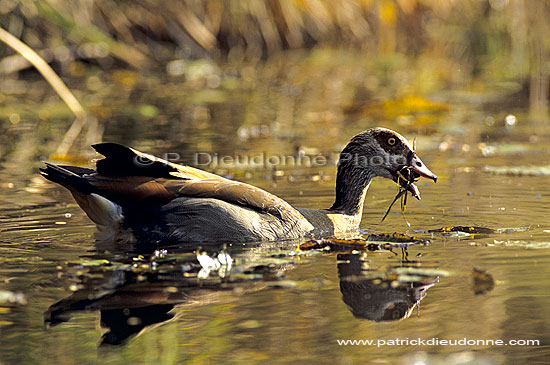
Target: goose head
[377,152]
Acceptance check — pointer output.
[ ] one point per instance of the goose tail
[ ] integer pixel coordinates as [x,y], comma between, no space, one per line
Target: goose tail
[107,215]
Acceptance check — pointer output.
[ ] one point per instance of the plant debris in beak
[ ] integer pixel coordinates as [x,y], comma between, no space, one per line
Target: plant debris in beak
[406,178]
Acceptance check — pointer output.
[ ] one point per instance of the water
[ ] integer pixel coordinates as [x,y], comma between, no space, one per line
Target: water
[73,302]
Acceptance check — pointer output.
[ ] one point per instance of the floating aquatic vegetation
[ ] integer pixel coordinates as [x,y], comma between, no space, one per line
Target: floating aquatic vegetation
[483,281]
[518,170]
[463,229]
[396,238]
[469,231]
[373,242]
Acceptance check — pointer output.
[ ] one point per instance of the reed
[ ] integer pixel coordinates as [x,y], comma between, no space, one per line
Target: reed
[56,83]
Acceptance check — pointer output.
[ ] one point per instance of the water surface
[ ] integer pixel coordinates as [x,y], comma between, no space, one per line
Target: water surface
[63,299]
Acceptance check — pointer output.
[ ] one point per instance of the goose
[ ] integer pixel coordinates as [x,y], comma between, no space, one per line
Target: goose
[133,196]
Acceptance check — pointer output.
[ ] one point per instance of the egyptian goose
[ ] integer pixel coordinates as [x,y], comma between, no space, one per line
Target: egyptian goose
[133,196]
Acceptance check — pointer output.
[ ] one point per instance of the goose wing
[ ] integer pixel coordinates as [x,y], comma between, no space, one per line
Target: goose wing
[127,176]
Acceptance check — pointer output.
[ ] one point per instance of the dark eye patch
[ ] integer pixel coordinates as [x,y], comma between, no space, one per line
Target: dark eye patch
[385,140]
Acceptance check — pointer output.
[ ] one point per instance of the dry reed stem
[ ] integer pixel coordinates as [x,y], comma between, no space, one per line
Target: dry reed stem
[56,83]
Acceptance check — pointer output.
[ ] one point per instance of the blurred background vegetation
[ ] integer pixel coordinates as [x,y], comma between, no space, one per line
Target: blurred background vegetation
[158,71]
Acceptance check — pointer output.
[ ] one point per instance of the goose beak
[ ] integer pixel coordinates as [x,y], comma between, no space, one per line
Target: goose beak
[421,170]
[417,170]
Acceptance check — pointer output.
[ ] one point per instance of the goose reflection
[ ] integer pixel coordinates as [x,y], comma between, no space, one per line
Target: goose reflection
[381,296]
[143,292]
[134,297]
[125,310]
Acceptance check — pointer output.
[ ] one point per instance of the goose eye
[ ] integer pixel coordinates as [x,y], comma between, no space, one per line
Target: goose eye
[391,141]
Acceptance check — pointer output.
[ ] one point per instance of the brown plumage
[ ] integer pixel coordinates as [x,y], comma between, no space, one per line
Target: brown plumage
[135,196]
